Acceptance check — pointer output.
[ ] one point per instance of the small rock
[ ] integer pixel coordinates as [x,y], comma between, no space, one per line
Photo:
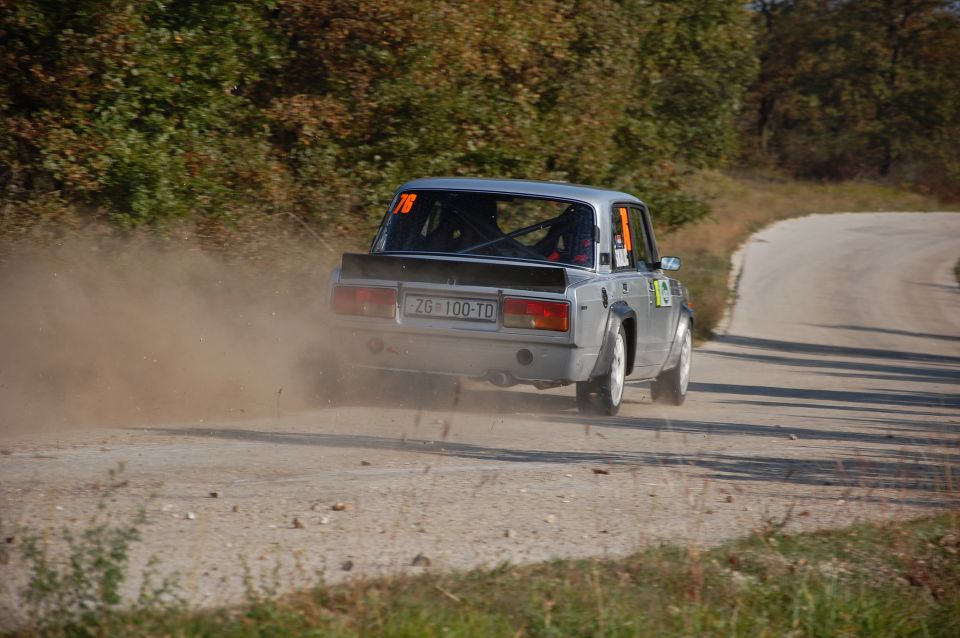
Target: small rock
[190,516]
[598,470]
[214,494]
[793,437]
[346,565]
[315,507]
[298,524]
[340,507]
[421,560]
[550,519]
[509,534]
[10,540]
[324,520]
[729,499]
[366,463]
[235,508]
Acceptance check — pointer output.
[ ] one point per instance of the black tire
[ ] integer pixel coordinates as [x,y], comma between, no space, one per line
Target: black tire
[603,396]
[670,386]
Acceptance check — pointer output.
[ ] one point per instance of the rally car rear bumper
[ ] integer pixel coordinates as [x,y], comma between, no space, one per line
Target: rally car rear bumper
[491,357]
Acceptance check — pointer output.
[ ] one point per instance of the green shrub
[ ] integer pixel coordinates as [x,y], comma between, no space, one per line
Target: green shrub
[80,593]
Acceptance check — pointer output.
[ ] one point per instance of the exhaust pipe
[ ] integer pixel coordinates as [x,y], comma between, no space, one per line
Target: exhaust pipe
[501,379]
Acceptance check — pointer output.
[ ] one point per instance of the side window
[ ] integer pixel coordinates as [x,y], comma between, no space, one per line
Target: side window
[641,245]
[623,244]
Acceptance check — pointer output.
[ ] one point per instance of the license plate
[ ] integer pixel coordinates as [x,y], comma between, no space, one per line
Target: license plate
[450,308]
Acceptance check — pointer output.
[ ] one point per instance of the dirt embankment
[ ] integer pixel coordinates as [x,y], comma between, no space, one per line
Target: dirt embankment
[97,332]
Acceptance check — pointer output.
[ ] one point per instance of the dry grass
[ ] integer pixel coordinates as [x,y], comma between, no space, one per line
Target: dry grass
[743,203]
[896,579]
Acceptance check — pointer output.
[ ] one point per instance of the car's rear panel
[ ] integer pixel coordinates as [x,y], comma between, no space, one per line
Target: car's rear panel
[464,317]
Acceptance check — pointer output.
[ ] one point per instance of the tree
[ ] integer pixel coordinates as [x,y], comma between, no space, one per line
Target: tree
[145,112]
[626,94]
[859,88]
[136,110]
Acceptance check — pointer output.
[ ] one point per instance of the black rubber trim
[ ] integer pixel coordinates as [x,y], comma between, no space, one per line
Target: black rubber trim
[619,312]
[441,271]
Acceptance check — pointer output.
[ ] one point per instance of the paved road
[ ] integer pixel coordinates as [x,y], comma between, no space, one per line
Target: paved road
[832,398]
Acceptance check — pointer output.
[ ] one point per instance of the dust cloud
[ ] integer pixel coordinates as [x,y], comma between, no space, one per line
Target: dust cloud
[110,332]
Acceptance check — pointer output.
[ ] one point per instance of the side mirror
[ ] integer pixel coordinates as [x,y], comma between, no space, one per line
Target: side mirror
[670,263]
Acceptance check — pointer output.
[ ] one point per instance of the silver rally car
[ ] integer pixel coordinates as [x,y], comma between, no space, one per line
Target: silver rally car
[511,281]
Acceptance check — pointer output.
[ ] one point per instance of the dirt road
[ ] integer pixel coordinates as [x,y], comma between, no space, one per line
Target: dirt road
[833,397]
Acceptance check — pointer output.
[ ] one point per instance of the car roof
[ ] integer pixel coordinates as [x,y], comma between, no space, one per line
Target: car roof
[560,190]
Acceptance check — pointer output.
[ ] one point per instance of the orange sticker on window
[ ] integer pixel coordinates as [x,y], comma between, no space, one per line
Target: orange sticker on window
[625,221]
[405,203]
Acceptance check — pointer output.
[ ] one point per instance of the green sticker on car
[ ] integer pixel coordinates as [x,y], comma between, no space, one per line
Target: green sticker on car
[662,290]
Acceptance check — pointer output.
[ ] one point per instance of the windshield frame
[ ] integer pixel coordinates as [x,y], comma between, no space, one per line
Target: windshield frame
[481,257]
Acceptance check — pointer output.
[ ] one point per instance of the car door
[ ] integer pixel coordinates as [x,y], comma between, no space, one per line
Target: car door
[662,314]
[629,287]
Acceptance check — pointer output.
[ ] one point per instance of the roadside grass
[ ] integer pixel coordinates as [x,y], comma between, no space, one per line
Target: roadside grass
[742,203]
[877,580]
[78,592]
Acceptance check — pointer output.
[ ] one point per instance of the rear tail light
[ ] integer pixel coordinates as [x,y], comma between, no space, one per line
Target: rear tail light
[536,313]
[368,302]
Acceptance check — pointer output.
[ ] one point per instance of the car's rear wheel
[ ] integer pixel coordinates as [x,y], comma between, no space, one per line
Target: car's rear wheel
[670,387]
[603,395]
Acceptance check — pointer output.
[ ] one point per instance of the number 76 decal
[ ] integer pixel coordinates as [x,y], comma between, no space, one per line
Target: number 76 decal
[405,203]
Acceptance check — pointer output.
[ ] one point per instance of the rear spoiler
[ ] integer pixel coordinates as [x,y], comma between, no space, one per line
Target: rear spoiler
[457,273]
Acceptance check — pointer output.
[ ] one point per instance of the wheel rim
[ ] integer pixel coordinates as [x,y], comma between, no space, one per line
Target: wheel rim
[617,368]
[685,353]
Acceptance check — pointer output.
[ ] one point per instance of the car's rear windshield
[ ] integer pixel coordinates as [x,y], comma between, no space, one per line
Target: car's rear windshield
[489,225]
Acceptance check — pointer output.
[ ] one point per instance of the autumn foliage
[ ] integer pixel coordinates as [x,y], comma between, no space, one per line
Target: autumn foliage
[229,110]
[864,88]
